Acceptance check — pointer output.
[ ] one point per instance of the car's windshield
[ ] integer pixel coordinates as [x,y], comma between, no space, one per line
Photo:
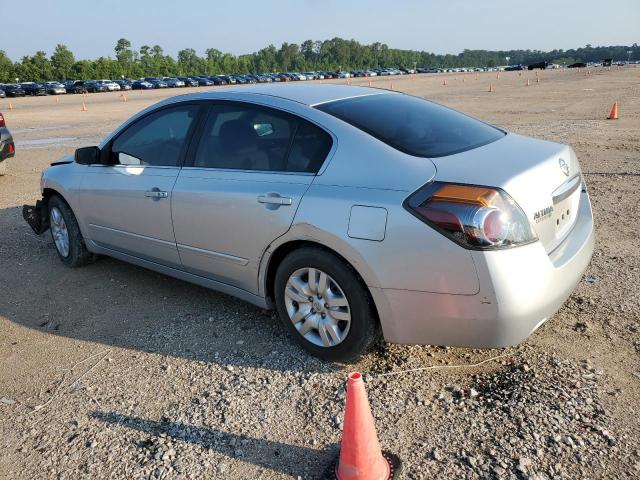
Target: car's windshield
[413,125]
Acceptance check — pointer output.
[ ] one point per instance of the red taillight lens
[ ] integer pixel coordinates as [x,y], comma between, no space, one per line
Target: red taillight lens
[475,217]
[2,123]
[12,148]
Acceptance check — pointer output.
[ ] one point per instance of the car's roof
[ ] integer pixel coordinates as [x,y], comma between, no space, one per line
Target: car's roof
[307,94]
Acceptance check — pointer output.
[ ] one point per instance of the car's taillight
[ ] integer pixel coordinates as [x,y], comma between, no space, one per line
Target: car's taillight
[2,122]
[475,217]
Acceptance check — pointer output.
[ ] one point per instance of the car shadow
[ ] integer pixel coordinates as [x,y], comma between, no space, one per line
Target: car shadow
[121,305]
[289,459]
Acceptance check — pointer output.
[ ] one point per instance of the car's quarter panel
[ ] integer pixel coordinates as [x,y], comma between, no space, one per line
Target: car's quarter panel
[221,225]
[118,213]
[520,289]
[411,256]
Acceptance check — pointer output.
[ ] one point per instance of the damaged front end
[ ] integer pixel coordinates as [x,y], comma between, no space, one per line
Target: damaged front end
[36,216]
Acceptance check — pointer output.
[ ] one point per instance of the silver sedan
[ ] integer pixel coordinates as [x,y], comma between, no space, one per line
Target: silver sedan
[354,212]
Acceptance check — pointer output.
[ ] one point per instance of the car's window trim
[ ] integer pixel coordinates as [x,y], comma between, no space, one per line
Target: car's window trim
[189,161]
[188,138]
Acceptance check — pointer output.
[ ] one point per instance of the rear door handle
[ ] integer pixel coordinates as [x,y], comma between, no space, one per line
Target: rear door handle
[274,199]
[156,194]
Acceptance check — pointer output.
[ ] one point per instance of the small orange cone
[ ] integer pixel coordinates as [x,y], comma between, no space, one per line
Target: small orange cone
[491,90]
[497,75]
[369,82]
[360,455]
[10,106]
[391,86]
[444,83]
[528,84]
[57,100]
[476,76]
[124,97]
[84,107]
[613,115]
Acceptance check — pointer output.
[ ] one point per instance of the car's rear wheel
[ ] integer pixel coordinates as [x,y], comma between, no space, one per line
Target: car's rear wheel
[324,306]
[66,234]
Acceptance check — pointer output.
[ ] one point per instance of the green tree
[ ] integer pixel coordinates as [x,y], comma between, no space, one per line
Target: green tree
[62,62]
[7,71]
[124,54]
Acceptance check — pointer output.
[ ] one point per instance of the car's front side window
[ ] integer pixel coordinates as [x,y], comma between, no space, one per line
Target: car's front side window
[156,140]
[246,137]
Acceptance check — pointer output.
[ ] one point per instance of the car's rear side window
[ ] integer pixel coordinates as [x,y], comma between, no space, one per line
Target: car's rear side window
[247,137]
[413,125]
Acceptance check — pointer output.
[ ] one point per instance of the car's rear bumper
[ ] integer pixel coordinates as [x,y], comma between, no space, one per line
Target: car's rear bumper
[519,289]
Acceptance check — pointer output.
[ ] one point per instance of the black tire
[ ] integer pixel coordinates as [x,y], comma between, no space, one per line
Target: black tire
[364,328]
[78,254]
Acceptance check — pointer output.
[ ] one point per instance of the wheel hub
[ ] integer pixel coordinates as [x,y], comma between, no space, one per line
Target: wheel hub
[317,307]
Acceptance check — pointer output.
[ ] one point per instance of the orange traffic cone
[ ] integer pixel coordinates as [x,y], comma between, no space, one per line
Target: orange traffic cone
[444,83]
[528,84]
[497,75]
[124,97]
[391,86]
[369,82]
[491,90]
[476,76]
[10,106]
[84,107]
[360,454]
[613,115]
[57,100]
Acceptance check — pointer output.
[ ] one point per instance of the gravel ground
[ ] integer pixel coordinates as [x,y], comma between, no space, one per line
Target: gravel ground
[112,371]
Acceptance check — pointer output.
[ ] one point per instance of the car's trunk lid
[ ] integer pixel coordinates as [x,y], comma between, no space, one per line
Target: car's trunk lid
[542,177]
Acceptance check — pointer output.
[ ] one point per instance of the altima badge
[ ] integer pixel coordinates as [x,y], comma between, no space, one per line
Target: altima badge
[564,167]
[542,214]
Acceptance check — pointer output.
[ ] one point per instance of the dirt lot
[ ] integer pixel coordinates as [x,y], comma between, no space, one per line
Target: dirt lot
[112,371]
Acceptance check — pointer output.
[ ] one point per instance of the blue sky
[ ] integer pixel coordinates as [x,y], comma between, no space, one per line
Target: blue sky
[92,27]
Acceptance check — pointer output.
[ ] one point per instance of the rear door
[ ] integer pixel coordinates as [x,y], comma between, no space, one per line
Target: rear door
[240,191]
[127,206]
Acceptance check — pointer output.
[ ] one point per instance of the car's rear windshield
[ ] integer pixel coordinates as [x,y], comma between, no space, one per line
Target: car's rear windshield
[413,125]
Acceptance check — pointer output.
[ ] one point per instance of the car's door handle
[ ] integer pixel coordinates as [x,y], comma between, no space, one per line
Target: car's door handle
[156,194]
[274,199]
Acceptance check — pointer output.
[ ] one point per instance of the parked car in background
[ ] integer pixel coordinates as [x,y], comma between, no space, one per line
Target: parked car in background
[76,86]
[124,84]
[204,81]
[7,147]
[189,82]
[173,82]
[157,82]
[94,86]
[577,65]
[539,65]
[54,88]
[141,85]
[34,89]
[2,92]
[110,85]
[512,68]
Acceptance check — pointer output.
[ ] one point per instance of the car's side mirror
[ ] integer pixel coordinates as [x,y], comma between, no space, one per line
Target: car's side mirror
[87,155]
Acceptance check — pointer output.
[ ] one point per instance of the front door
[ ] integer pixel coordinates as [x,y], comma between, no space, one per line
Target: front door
[250,169]
[128,204]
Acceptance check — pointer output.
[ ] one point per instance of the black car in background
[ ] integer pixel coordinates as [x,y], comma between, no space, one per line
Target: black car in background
[13,90]
[512,68]
[93,86]
[539,65]
[33,89]
[75,86]
[577,65]
[2,94]
[141,85]
[124,84]
[157,82]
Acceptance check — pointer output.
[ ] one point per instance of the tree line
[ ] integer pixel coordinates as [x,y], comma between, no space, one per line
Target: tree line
[333,54]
